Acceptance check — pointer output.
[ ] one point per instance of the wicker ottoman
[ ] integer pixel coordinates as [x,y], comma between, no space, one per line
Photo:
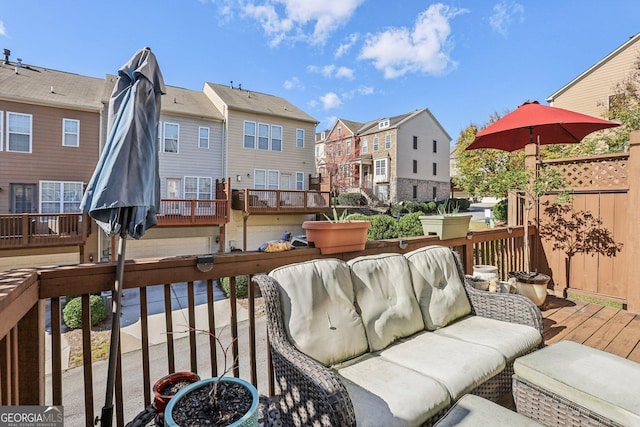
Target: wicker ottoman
[474,411]
[570,384]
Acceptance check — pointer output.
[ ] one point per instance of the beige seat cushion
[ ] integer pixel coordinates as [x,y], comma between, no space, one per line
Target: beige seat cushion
[458,365]
[474,411]
[438,286]
[387,394]
[384,294]
[599,381]
[510,339]
[318,309]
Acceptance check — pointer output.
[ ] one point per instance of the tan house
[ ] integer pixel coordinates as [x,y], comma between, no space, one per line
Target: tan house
[269,146]
[591,92]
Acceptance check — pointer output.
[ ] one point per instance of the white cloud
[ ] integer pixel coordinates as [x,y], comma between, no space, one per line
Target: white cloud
[344,48]
[422,49]
[312,21]
[331,71]
[504,14]
[330,101]
[293,83]
[3,29]
[328,122]
[344,73]
[360,90]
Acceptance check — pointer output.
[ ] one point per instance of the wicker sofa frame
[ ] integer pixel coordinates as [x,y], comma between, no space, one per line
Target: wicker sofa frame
[312,394]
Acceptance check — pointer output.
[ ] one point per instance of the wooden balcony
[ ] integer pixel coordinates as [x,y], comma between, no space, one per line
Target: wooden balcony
[189,212]
[43,230]
[27,297]
[266,202]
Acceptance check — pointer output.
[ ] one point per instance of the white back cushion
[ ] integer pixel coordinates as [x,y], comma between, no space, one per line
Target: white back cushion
[438,285]
[384,294]
[318,310]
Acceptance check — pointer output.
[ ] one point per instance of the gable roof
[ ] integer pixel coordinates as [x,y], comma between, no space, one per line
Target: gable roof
[397,121]
[351,125]
[43,86]
[632,40]
[257,102]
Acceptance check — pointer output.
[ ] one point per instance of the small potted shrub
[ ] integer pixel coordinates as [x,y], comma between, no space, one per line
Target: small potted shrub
[337,234]
[447,224]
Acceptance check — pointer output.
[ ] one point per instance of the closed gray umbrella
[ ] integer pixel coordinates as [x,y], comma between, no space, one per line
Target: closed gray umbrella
[123,195]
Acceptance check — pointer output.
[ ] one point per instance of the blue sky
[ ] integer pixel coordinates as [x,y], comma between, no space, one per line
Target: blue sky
[355,59]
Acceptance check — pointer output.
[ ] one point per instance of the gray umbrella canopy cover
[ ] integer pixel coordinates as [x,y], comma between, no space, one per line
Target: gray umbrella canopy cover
[125,185]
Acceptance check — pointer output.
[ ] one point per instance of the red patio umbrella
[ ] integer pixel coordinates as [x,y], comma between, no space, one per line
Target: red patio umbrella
[532,122]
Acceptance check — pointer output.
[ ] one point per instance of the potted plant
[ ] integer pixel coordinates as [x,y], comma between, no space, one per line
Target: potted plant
[166,387]
[447,223]
[218,401]
[337,234]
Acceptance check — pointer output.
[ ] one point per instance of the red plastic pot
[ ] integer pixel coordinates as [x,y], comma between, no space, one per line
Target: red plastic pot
[160,394]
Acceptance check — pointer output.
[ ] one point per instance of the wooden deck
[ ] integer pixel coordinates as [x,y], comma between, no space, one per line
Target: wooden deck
[610,329]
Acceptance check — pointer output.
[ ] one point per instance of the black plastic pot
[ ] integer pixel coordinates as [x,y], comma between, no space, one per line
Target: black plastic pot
[531,277]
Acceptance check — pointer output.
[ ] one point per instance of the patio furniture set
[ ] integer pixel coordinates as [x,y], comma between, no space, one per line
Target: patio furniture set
[404,340]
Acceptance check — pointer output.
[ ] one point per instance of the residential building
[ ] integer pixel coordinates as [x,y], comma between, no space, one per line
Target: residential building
[269,145]
[592,91]
[405,157]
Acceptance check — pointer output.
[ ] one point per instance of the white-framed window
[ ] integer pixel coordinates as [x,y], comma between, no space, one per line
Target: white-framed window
[339,149]
[348,149]
[339,130]
[19,134]
[266,179]
[383,124]
[276,138]
[60,196]
[159,135]
[70,133]
[300,138]
[299,180]
[198,187]
[171,141]
[203,137]
[365,145]
[263,136]
[380,169]
[249,134]
[376,143]
[387,141]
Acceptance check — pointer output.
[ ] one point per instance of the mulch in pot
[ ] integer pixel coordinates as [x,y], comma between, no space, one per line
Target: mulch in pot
[195,408]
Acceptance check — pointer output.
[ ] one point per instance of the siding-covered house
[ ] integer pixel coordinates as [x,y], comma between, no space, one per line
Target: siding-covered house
[592,91]
[49,144]
[269,146]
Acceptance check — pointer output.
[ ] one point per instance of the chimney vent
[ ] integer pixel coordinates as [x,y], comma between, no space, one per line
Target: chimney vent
[231,84]
[240,86]
[6,53]
[19,64]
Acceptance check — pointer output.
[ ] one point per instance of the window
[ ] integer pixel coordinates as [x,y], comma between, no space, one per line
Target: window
[197,187]
[365,145]
[415,166]
[415,191]
[22,198]
[273,180]
[299,180]
[203,137]
[19,132]
[300,138]
[60,196]
[339,148]
[387,141]
[276,138]
[339,130]
[249,134]
[263,136]
[383,124]
[435,169]
[266,180]
[415,142]
[70,133]
[348,142]
[376,143]
[380,171]
[434,193]
[435,146]
[159,135]
[171,132]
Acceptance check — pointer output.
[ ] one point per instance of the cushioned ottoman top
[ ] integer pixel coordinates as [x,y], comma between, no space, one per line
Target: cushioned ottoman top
[601,382]
[474,411]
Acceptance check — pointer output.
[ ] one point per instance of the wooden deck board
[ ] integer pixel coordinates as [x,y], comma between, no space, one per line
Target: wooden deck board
[605,328]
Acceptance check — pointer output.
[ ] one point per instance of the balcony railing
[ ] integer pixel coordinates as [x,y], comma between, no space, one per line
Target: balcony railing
[280,201]
[40,230]
[23,310]
[184,212]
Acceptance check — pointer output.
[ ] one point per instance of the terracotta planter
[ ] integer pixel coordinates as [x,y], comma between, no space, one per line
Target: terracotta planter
[160,395]
[337,237]
[445,226]
[532,286]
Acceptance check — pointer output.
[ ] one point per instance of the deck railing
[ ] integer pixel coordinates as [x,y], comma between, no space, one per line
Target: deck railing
[280,201]
[181,212]
[184,342]
[40,230]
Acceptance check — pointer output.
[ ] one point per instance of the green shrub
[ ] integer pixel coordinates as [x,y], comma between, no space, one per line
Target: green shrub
[412,206]
[409,225]
[382,227]
[431,207]
[501,210]
[352,199]
[72,312]
[397,209]
[242,286]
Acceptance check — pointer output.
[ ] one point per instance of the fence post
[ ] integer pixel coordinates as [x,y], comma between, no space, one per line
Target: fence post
[632,246]
[31,370]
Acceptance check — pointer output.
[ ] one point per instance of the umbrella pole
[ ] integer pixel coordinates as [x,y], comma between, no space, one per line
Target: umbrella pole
[106,417]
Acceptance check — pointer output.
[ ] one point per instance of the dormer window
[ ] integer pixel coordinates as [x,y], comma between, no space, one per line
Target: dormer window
[383,124]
